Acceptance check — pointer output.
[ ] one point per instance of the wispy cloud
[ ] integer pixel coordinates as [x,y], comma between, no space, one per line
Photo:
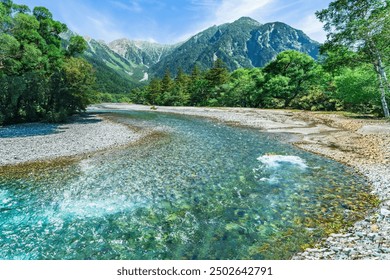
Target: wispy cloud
[312,27]
[217,12]
[132,6]
[87,20]
[200,4]
[173,20]
[230,10]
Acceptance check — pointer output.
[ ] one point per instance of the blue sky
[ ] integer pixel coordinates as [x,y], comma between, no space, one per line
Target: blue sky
[172,21]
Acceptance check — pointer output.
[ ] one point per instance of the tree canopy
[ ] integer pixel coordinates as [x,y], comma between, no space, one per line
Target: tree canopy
[39,79]
[362,26]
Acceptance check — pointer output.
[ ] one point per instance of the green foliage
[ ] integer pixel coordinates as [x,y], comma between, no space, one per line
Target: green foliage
[244,88]
[358,89]
[293,80]
[363,27]
[77,45]
[218,74]
[166,83]
[99,97]
[38,79]
[289,76]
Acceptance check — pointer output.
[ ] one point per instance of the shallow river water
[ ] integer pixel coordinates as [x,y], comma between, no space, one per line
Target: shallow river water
[197,190]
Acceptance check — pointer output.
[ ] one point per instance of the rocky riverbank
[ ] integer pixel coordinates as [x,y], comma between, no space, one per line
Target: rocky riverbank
[363,144]
[82,135]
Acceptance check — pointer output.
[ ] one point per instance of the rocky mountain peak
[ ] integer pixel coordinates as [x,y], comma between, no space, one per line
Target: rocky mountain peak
[248,21]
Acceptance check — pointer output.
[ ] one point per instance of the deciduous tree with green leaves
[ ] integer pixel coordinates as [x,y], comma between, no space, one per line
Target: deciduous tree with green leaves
[362,26]
[289,76]
[38,78]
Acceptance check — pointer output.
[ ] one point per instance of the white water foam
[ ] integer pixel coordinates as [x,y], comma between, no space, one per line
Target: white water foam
[89,208]
[4,197]
[275,161]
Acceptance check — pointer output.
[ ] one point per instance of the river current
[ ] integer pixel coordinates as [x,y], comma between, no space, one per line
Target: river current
[198,189]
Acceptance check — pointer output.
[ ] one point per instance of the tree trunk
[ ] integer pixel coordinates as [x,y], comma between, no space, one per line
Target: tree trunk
[383,84]
[383,97]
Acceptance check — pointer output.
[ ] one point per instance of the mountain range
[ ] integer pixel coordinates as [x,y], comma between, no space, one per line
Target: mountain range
[123,64]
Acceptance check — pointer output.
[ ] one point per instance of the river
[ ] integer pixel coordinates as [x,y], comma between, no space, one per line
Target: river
[197,189]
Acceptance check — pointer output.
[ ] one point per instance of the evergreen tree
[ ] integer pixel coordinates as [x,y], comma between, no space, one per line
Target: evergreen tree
[218,74]
[153,91]
[196,74]
[167,82]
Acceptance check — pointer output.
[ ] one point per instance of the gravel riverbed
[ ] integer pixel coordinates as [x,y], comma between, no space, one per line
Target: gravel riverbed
[363,144]
[38,141]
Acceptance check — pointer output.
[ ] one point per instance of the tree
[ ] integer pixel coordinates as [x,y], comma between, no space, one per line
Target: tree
[9,52]
[167,83]
[181,78]
[363,26]
[78,79]
[77,45]
[218,74]
[289,76]
[37,80]
[243,88]
[196,74]
[199,92]
[356,88]
[153,91]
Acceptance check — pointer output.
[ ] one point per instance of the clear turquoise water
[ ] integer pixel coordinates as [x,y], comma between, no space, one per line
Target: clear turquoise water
[201,190]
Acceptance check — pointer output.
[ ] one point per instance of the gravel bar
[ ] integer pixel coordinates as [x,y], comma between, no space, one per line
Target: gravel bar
[39,141]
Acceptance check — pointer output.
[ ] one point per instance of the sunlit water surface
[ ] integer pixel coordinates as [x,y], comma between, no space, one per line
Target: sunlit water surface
[201,190]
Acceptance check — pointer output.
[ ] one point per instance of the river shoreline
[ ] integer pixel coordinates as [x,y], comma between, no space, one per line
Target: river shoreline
[82,135]
[363,144]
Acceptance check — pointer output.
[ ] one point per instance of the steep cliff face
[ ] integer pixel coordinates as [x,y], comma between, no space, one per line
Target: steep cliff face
[272,38]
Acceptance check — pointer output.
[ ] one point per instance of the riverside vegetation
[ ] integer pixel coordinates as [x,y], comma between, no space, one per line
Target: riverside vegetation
[40,77]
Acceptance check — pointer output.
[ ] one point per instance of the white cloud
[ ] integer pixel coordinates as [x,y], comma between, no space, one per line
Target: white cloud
[230,10]
[89,21]
[103,28]
[312,27]
[223,11]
